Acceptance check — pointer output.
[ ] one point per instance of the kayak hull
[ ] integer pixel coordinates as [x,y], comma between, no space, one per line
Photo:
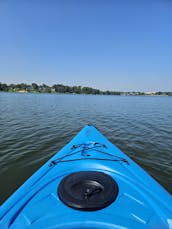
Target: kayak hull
[140,202]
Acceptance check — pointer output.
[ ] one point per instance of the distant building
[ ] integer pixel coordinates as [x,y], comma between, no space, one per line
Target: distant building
[22,91]
[150,93]
[53,90]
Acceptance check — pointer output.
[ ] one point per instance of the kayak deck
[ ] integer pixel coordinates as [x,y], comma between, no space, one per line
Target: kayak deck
[140,202]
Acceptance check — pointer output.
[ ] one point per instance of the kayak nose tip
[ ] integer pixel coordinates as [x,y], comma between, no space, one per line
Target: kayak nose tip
[90,124]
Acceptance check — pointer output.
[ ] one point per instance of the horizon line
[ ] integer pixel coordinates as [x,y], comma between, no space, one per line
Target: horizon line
[79,86]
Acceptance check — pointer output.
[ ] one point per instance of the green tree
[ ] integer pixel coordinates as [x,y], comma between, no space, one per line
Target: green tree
[3,87]
[35,87]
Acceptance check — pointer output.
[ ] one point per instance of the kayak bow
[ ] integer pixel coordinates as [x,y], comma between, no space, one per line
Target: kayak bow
[88,184]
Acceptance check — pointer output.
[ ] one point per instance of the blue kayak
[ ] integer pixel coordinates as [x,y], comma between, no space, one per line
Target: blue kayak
[88,184]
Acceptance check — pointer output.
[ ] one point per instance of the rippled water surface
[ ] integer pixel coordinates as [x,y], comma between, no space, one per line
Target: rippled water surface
[33,127]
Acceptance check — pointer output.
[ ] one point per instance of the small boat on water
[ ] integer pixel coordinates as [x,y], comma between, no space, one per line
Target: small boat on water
[88,184]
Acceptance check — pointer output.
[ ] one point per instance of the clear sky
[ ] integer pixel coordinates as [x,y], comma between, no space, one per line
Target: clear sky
[107,44]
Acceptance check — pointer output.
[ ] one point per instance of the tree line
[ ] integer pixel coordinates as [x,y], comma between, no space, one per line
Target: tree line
[56,88]
[60,88]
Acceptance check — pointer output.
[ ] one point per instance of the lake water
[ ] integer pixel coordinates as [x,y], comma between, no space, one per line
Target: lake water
[33,127]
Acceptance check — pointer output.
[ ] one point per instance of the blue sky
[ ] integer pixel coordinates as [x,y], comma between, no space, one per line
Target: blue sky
[112,44]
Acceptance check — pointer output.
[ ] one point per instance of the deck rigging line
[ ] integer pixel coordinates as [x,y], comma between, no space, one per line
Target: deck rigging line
[84,150]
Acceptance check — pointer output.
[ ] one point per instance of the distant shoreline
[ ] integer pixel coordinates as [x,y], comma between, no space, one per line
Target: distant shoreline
[64,89]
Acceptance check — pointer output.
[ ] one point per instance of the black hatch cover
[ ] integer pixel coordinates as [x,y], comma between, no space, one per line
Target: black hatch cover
[88,190]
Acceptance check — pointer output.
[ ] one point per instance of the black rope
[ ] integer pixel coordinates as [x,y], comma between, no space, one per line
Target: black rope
[91,158]
[87,144]
[85,147]
[75,152]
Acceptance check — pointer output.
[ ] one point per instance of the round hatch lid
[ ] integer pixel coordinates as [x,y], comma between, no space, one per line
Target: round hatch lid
[87,190]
